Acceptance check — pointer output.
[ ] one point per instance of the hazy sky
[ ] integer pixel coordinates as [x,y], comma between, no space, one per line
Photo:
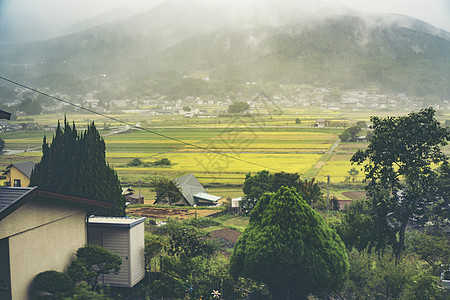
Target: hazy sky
[33,19]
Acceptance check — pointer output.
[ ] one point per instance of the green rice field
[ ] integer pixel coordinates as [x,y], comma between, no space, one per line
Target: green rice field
[219,151]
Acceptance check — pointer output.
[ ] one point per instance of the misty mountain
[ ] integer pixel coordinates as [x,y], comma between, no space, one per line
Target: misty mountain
[187,39]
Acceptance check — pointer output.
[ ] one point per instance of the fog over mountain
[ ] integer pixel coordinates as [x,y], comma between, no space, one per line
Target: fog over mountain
[235,42]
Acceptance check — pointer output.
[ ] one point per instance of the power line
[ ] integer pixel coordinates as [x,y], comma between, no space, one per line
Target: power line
[140,128]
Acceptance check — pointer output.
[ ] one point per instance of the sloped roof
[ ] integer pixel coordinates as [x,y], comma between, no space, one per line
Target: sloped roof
[25,167]
[127,191]
[5,115]
[11,198]
[189,186]
[207,197]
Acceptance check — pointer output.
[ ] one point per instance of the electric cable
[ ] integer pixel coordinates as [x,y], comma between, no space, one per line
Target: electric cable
[134,126]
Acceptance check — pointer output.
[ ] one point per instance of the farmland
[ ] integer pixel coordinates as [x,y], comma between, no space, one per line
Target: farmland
[219,151]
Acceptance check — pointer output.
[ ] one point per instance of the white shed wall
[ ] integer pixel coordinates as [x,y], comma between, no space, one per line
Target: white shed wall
[137,254]
[117,241]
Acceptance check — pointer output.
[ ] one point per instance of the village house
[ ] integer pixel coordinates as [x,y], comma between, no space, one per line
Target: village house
[193,192]
[320,123]
[132,197]
[18,174]
[39,231]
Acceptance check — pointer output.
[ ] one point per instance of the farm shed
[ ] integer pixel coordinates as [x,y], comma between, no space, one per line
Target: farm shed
[124,237]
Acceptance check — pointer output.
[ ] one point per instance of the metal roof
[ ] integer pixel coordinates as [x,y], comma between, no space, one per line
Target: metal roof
[189,186]
[207,197]
[12,198]
[114,222]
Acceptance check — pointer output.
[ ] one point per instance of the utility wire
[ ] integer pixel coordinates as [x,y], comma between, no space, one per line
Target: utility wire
[140,128]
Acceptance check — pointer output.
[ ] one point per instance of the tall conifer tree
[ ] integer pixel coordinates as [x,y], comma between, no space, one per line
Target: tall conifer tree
[76,164]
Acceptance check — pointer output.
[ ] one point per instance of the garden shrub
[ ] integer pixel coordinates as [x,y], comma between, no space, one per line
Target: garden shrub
[53,282]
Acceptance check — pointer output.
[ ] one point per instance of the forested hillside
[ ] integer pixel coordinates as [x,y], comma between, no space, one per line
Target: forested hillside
[157,49]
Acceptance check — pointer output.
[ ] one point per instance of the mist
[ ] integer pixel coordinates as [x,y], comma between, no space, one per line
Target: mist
[26,20]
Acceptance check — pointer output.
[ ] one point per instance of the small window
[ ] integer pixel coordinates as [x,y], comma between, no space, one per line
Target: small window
[17,183]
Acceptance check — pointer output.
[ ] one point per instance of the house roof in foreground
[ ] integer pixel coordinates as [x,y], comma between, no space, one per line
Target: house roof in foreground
[11,198]
[25,167]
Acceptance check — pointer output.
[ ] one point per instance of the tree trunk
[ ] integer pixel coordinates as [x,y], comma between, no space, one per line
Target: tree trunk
[401,240]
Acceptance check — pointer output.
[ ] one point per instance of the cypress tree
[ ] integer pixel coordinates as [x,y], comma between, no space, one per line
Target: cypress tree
[289,247]
[76,164]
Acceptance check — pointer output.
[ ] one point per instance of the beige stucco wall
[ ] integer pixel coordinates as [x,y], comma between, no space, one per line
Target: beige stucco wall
[14,173]
[42,236]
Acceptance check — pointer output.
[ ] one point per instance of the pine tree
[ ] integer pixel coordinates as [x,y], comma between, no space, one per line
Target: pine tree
[76,164]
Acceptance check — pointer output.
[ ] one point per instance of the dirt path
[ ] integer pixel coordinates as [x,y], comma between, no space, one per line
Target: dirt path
[161,213]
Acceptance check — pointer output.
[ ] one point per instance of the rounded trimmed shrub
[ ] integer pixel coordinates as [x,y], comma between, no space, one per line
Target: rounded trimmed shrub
[53,282]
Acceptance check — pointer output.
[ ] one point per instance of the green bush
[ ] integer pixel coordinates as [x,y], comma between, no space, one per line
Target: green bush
[53,282]
[93,261]
[83,292]
[203,222]
[134,162]
[162,161]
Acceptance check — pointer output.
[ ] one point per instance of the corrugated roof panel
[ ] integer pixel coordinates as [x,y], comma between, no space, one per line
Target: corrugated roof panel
[207,197]
[11,195]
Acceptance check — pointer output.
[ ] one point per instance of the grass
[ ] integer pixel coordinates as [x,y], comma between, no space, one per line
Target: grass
[235,222]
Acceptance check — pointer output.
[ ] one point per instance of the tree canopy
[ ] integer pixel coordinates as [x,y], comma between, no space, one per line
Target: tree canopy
[238,107]
[93,261]
[399,166]
[350,134]
[288,246]
[263,181]
[166,191]
[76,164]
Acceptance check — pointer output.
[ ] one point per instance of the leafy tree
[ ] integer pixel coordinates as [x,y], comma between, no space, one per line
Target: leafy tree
[353,173]
[53,282]
[361,124]
[263,181]
[311,192]
[2,144]
[334,203]
[162,161]
[432,248]
[186,108]
[357,228]
[189,257]
[166,191]
[350,134]
[238,107]
[134,162]
[76,164]
[372,276]
[93,261]
[298,121]
[288,246]
[255,186]
[399,165]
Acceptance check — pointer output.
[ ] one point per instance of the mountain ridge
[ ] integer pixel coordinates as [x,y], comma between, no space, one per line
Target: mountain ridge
[343,50]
